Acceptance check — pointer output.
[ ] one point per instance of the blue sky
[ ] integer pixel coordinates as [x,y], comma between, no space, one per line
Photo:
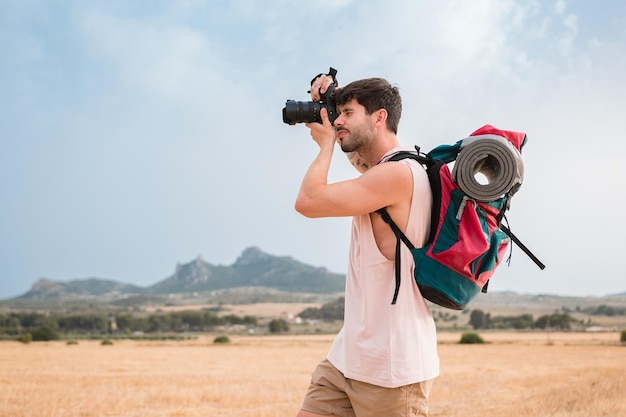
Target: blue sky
[135,135]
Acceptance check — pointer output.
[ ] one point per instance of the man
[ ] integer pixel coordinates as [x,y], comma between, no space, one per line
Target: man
[384,359]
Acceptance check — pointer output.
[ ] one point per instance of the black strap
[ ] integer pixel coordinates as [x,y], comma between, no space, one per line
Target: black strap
[432,167]
[396,230]
[399,237]
[523,247]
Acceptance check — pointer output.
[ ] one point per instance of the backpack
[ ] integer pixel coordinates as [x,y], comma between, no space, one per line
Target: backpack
[467,239]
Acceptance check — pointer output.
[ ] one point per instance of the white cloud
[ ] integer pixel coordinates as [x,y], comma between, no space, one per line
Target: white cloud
[162,58]
[560,7]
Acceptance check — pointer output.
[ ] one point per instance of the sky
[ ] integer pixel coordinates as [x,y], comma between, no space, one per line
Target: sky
[135,135]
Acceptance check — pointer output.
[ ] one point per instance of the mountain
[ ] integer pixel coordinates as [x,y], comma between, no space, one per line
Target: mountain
[80,288]
[253,268]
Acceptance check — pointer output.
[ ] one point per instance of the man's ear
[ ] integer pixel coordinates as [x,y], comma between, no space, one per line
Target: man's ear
[380,118]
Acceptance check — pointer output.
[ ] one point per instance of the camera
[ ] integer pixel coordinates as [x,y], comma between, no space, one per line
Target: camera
[309,111]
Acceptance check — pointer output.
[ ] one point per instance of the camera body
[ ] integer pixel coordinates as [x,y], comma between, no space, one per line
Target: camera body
[309,111]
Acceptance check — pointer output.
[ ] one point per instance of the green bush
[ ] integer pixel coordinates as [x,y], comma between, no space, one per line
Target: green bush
[25,338]
[106,342]
[278,326]
[623,336]
[221,339]
[45,333]
[71,342]
[471,337]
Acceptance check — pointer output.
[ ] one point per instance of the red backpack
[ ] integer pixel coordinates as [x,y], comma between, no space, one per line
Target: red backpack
[467,239]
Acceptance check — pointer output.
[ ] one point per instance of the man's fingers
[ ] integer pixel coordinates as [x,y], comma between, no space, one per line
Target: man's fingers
[324,114]
[327,80]
[320,86]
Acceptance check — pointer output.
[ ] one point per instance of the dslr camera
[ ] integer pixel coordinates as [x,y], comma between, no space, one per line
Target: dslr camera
[309,111]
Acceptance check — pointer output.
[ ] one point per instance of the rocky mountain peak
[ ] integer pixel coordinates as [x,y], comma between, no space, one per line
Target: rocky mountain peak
[45,288]
[250,256]
[196,271]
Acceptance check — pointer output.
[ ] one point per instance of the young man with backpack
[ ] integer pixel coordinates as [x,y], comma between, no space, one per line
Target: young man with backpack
[384,359]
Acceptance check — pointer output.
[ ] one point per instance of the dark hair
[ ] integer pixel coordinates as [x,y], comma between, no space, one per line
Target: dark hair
[374,94]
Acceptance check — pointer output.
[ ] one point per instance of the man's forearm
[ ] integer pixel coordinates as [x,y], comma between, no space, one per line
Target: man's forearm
[314,181]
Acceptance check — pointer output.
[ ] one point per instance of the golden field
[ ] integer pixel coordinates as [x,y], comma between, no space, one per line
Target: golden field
[513,374]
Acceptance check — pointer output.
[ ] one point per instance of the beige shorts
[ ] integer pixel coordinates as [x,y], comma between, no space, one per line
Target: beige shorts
[330,393]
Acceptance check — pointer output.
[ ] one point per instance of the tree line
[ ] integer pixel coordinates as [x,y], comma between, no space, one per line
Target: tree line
[605,310]
[330,311]
[557,321]
[478,319]
[50,326]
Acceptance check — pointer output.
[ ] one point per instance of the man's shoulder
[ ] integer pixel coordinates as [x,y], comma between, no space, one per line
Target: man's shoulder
[391,168]
[395,151]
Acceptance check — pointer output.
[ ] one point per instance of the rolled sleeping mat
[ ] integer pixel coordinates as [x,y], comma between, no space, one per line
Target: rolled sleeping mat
[496,159]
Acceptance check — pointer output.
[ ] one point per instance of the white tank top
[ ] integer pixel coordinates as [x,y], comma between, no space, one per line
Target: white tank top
[380,343]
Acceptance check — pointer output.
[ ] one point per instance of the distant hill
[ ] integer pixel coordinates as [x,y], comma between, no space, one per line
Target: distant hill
[259,277]
[253,268]
[80,288]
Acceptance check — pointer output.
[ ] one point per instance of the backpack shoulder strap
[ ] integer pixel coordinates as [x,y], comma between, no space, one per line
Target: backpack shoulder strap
[432,169]
[399,237]
[432,166]
[394,227]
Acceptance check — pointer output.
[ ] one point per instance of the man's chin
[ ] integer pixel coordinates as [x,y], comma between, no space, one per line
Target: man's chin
[345,147]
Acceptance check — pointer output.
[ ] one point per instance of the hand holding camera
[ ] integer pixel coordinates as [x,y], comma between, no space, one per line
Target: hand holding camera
[323,95]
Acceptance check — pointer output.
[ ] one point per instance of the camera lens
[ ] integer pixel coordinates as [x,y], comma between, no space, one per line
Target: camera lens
[301,112]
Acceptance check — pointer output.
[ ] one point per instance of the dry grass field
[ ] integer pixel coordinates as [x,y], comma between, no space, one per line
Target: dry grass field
[513,374]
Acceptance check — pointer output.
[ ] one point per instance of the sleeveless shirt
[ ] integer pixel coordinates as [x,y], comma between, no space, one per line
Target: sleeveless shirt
[380,343]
